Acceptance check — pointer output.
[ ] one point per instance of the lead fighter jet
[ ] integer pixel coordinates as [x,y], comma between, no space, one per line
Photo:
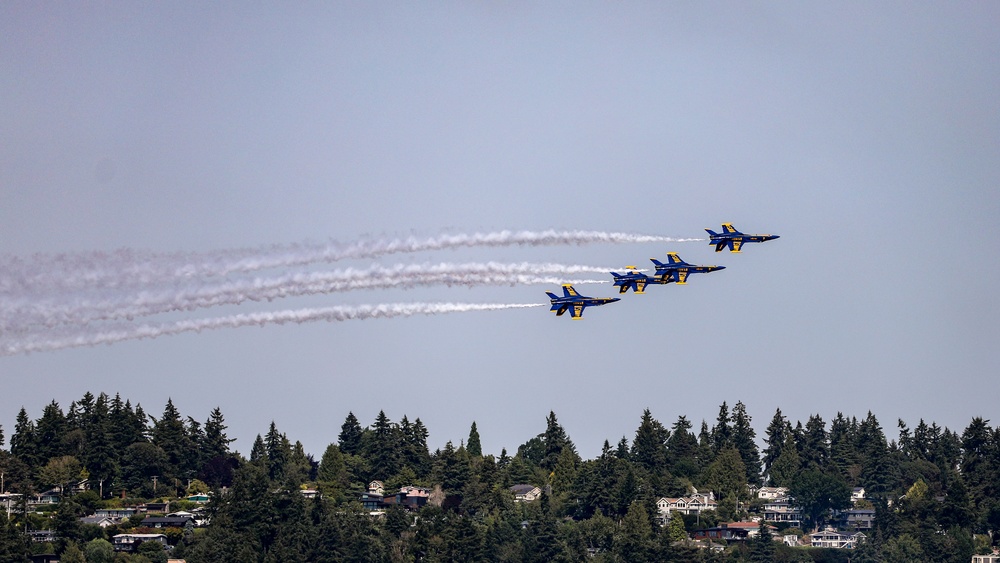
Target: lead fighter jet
[574,302]
[734,239]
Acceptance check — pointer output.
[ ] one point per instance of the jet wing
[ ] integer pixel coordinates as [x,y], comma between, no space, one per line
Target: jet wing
[737,244]
[682,276]
[577,311]
[640,286]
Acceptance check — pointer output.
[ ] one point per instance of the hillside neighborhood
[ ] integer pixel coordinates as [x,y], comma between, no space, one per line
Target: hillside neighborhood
[103,481]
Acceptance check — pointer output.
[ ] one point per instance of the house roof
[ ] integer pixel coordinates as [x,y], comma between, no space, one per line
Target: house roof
[521,489]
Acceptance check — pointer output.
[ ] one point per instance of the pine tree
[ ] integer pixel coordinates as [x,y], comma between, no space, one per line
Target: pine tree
[682,449]
[99,455]
[170,435]
[258,453]
[762,548]
[722,432]
[50,429]
[24,441]
[350,435]
[216,442]
[649,449]
[776,432]
[554,440]
[745,440]
[278,453]
[815,449]
[475,448]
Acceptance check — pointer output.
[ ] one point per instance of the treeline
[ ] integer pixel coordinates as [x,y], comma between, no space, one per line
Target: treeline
[935,492]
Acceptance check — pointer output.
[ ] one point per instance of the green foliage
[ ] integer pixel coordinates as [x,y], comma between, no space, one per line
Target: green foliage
[99,551]
[600,508]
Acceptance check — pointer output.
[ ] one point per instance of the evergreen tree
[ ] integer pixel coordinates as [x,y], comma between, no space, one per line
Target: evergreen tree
[727,475]
[350,435]
[682,449]
[382,448]
[216,443]
[815,449]
[634,540]
[475,448]
[762,548]
[786,467]
[844,454]
[554,440]
[99,456]
[722,432]
[278,452]
[258,453]
[776,432]
[745,440]
[24,441]
[171,436]
[50,430]
[977,472]
[13,543]
[649,449]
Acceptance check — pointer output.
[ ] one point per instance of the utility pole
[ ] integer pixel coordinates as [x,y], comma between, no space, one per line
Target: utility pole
[154,484]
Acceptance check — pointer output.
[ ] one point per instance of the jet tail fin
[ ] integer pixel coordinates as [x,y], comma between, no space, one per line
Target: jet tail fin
[656,262]
[551,295]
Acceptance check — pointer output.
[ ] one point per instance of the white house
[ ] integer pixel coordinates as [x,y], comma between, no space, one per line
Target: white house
[832,538]
[525,493]
[771,493]
[696,503]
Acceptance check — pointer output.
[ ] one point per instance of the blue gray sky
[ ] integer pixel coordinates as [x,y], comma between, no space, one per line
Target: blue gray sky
[865,134]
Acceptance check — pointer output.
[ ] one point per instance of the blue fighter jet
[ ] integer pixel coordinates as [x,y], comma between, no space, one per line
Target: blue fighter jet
[734,239]
[635,280]
[574,302]
[677,270]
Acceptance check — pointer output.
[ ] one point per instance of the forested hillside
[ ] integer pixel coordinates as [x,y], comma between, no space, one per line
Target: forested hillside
[934,491]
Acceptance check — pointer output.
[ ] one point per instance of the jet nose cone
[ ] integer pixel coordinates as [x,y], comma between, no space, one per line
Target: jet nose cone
[720,267]
[613,299]
[775,236]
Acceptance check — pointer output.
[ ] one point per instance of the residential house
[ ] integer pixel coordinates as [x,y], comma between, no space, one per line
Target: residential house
[376,487]
[42,536]
[782,511]
[832,538]
[309,493]
[102,521]
[525,493]
[696,503]
[371,501]
[168,522]
[51,496]
[752,528]
[115,513]
[856,519]
[409,497]
[857,493]
[155,507]
[991,558]
[722,532]
[130,542]
[200,498]
[771,493]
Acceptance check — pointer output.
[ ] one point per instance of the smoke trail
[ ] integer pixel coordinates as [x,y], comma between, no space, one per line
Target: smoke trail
[130,268]
[299,316]
[23,316]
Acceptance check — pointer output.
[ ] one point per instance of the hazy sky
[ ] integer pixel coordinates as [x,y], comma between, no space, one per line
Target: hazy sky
[866,134]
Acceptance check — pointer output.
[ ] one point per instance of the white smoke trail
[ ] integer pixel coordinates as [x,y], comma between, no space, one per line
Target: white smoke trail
[19,317]
[299,316]
[131,268]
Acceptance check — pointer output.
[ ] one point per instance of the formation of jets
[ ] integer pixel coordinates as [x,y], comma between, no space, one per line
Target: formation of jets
[675,270]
